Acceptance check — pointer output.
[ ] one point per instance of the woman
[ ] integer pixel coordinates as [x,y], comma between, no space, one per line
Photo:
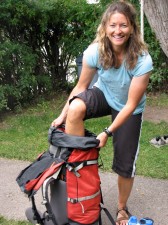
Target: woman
[123,65]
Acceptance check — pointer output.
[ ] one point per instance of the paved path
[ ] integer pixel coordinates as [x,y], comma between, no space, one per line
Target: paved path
[149,196]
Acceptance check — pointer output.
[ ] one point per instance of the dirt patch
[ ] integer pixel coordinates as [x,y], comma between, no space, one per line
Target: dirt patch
[156,114]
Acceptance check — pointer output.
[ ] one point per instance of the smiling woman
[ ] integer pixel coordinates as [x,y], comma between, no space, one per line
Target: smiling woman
[123,64]
[118,31]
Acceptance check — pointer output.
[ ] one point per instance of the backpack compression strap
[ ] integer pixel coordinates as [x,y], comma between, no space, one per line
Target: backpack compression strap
[74,168]
[75,200]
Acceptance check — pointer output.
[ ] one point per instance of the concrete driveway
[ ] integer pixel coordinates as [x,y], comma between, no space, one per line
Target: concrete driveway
[149,197]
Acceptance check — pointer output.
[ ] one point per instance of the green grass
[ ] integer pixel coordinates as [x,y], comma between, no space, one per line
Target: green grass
[153,161]
[24,135]
[158,99]
[3,221]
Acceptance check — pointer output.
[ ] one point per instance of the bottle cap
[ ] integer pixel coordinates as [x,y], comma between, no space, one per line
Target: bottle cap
[133,219]
[142,221]
[146,221]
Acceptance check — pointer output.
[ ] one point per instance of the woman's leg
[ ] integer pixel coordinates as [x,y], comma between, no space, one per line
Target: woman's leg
[88,104]
[124,189]
[75,116]
[126,149]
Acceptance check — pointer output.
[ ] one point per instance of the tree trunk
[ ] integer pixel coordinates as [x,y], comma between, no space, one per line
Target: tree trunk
[156,12]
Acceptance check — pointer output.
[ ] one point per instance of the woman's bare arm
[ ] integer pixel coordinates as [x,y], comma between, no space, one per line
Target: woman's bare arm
[136,91]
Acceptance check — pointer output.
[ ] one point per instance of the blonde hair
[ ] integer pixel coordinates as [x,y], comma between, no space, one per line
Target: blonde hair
[135,46]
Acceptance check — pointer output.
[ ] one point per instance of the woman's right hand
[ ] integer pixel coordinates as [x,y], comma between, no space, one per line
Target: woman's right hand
[58,121]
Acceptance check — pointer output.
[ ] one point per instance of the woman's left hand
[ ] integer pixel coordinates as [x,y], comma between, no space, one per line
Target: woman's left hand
[102,137]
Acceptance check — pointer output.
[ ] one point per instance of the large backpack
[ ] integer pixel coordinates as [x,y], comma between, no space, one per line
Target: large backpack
[67,174]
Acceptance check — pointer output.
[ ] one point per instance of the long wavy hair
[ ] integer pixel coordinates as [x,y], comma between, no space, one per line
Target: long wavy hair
[134,47]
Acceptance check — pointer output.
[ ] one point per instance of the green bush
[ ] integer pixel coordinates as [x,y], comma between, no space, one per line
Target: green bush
[40,39]
[17,79]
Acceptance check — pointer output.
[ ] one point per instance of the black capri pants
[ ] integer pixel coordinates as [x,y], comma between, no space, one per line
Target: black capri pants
[125,138]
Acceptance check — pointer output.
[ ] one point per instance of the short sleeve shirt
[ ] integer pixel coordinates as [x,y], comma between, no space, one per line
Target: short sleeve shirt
[115,83]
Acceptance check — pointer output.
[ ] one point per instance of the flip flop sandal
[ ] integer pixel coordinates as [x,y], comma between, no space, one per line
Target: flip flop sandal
[123,216]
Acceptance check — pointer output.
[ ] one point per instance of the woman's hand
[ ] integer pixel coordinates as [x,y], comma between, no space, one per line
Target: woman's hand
[102,137]
[58,121]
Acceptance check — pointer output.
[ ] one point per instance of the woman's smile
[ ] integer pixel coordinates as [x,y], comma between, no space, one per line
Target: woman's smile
[118,30]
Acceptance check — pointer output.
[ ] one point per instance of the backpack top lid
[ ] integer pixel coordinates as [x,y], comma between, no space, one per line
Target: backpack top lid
[58,138]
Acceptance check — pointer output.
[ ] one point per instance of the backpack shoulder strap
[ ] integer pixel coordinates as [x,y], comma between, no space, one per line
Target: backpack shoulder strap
[108,215]
[37,216]
[46,184]
[106,212]
[49,215]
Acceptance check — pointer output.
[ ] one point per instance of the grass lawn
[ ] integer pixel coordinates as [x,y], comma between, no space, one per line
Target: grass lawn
[24,135]
[3,221]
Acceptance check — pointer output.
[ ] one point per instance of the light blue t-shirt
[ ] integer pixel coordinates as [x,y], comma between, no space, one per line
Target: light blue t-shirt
[115,83]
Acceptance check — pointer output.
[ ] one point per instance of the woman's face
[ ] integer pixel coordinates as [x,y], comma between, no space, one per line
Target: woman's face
[118,30]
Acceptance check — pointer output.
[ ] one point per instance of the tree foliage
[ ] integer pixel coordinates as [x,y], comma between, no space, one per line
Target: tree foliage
[39,40]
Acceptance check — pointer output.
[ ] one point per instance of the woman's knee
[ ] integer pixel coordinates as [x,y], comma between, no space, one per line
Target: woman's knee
[77,109]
